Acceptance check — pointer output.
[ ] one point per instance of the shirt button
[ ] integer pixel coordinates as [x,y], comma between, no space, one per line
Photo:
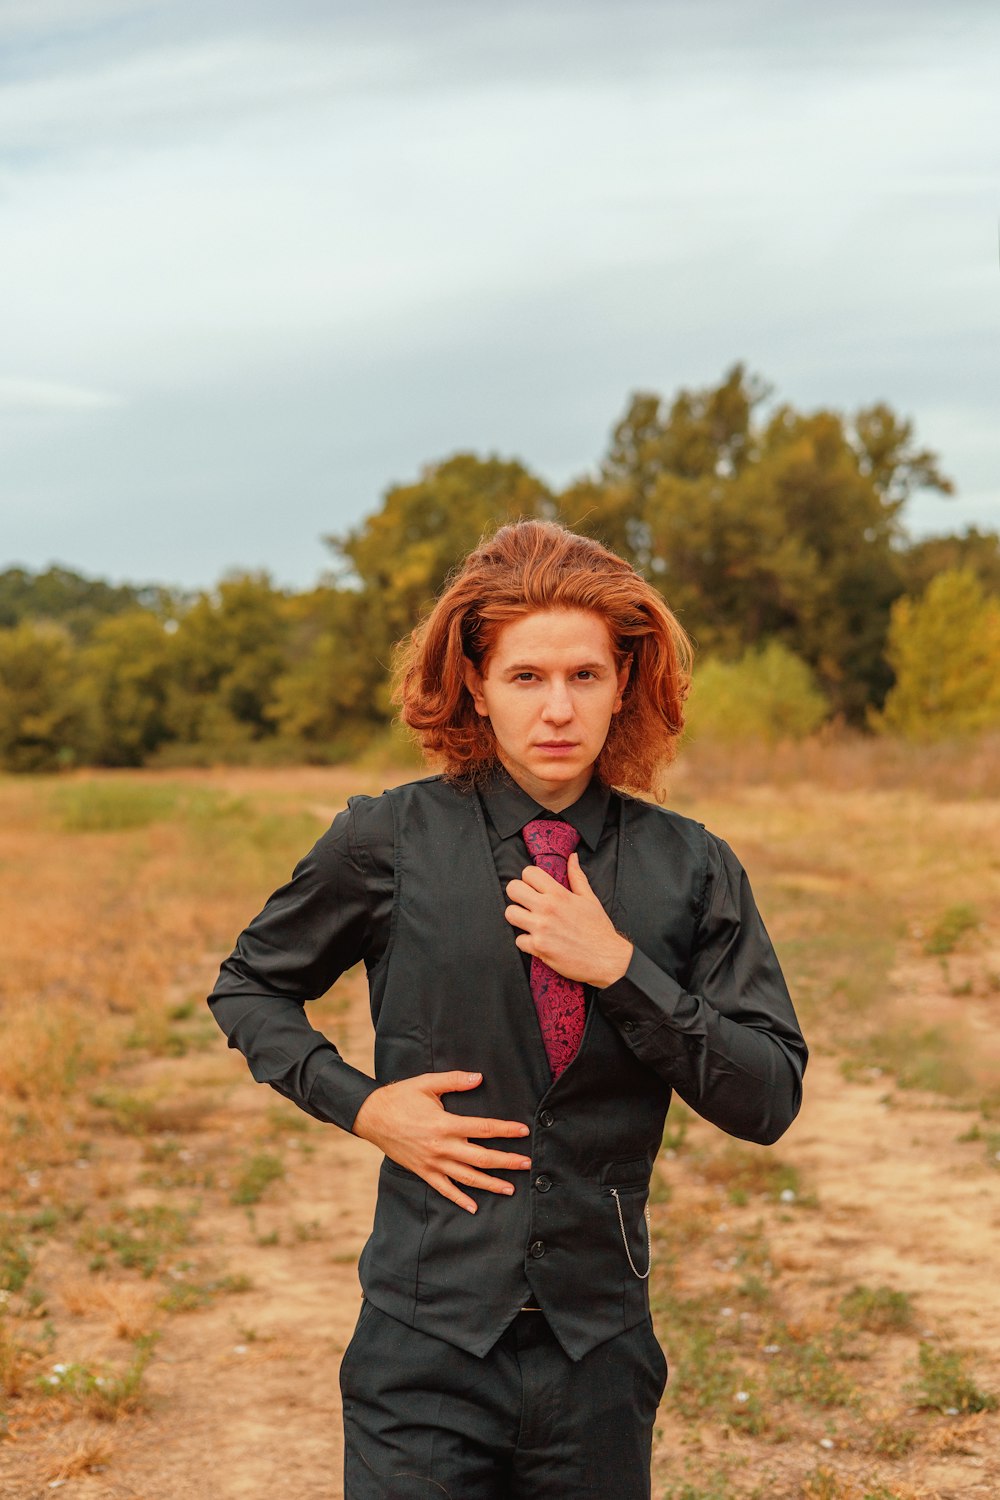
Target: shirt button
[547,1118]
[543,1183]
[537,1249]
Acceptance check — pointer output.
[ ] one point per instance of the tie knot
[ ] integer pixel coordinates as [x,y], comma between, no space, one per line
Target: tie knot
[547,836]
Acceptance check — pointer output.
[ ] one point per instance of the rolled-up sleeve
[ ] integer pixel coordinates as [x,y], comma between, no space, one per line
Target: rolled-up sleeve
[727,1040]
[311,930]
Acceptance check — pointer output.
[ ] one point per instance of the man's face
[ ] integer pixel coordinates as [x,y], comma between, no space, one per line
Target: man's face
[550,689]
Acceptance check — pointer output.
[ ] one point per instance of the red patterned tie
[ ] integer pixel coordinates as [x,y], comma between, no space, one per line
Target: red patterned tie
[559,1001]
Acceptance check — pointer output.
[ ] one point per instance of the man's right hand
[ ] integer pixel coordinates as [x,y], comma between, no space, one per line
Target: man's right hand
[408,1122]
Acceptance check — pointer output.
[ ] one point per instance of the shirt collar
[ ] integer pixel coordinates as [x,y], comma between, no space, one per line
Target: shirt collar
[509,807]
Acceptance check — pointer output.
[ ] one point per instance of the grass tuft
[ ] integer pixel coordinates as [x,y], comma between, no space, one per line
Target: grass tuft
[945,1385]
[950,928]
[90,1456]
[878,1309]
[138,1238]
[256,1177]
[748,1171]
[15,1259]
[108,1394]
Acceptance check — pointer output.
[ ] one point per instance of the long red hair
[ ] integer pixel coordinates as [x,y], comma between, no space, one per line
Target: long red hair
[528,566]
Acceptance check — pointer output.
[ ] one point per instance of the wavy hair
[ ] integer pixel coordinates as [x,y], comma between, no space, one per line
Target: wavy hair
[528,566]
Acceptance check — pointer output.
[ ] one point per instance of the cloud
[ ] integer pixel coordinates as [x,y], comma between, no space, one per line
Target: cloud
[319,244]
[20,396]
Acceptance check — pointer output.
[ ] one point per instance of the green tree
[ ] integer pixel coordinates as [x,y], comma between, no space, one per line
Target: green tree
[978,551]
[401,555]
[126,673]
[945,651]
[58,594]
[44,723]
[785,529]
[330,698]
[228,651]
[703,433]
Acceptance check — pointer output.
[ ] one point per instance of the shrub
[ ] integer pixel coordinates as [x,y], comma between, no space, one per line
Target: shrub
[768,694]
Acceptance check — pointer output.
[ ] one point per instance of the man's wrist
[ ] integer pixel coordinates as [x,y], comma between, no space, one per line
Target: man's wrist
[617,964]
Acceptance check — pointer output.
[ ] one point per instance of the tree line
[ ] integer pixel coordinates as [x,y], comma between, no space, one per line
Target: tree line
[777,536]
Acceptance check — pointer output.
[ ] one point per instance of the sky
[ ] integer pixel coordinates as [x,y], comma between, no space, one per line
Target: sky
[260,261]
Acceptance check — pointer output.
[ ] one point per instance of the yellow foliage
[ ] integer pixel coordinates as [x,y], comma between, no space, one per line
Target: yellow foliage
[768,694]
[945,651]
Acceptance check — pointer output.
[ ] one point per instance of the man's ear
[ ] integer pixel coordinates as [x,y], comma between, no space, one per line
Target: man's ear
[474,683]
[623,673]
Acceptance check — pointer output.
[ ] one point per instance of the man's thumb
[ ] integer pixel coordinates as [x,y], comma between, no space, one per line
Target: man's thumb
[578,882]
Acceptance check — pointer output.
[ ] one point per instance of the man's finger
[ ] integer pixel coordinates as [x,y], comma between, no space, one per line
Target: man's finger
[451,1083]
[469,1177]
[447,1189]
[518,916]
[578,882]
[485,1129]
[507,1161]
[519,891]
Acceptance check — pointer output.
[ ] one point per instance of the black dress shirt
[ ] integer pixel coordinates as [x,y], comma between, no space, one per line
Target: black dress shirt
[336,911]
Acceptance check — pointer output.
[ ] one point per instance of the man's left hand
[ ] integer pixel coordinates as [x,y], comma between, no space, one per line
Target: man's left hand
[567,929]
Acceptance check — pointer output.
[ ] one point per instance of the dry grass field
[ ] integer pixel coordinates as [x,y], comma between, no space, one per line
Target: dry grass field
[178,1244]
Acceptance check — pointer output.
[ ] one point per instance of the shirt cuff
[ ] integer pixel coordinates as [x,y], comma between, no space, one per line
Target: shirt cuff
[338,1092]
[643,1001]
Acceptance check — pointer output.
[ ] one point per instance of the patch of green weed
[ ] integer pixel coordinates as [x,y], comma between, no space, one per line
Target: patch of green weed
[189,1296]
[891,1438]
[113,805]
[920,1059]
[15,1256]
[746,1172]
[809,1370]
[945,1384]
[129,1114]
[172,1165]
[108,1394]
[990,1140]
[256,1177]
[949,928]
[878,1309]
[138,1238]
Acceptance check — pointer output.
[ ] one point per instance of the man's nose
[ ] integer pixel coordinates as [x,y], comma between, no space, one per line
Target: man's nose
[558,704]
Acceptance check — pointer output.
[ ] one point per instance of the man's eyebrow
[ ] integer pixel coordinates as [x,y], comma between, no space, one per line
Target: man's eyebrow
[530,666]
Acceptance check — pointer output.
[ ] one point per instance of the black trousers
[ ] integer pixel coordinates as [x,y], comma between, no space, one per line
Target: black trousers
[426,1421]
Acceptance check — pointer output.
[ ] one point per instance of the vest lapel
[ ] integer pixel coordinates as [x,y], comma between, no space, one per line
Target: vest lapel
[514,967]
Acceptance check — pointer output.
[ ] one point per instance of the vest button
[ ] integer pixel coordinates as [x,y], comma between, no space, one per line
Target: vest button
[537,1249]
[547,1118]
[628,1026]
[543,1183]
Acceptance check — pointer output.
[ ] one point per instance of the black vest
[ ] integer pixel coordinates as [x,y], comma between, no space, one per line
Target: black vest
[464,1002]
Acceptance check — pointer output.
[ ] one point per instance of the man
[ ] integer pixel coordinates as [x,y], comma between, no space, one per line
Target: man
[548,957]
